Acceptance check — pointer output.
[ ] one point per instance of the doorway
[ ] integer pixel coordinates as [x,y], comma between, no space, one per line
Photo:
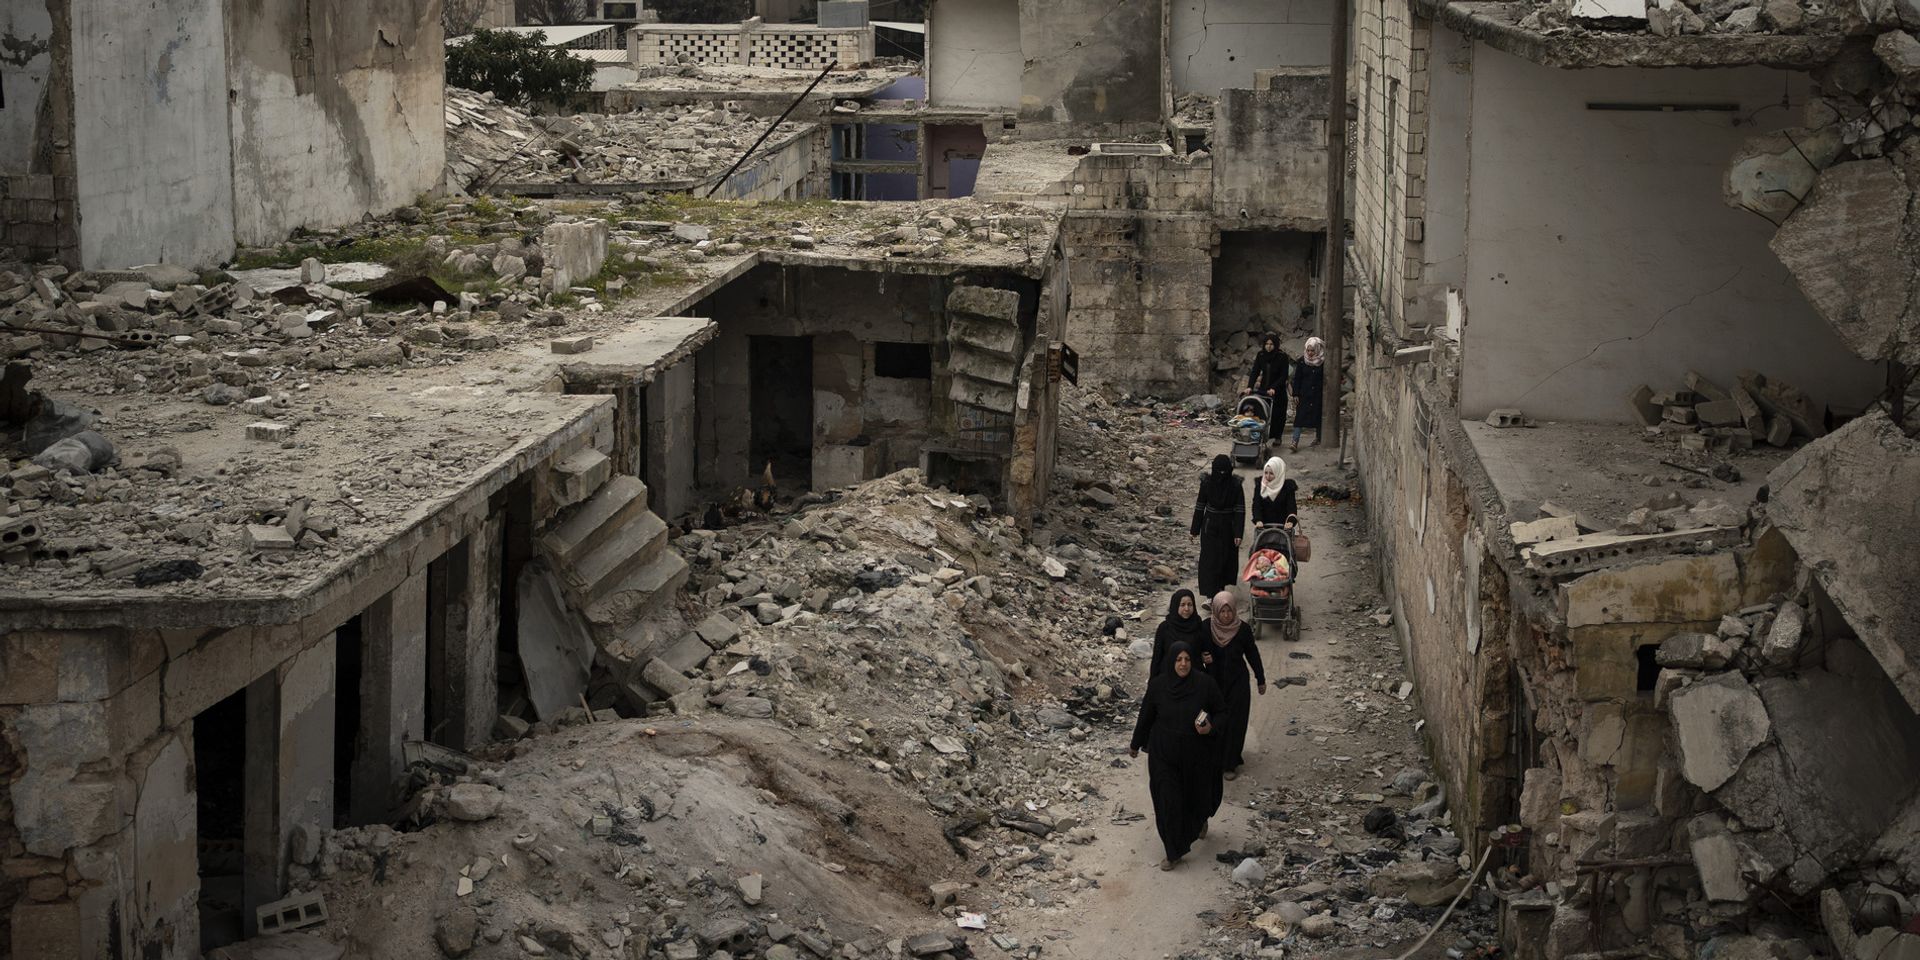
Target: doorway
[349,743]
[220,789]
[780,408]
[1264,281]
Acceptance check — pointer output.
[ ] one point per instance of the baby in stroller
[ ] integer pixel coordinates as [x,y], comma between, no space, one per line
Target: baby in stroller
[1269,568]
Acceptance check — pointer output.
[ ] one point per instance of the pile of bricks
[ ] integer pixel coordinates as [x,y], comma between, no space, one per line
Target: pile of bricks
[1707,417]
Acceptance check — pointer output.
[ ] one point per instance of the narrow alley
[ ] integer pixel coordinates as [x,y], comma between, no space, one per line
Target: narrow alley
[701,479]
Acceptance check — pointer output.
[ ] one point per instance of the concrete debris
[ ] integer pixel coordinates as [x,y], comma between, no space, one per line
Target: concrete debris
[1850,247]
[1840,504]
[489,142]
[1717,723]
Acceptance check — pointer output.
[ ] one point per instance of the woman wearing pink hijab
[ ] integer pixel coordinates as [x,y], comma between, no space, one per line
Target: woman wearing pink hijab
[1230,656]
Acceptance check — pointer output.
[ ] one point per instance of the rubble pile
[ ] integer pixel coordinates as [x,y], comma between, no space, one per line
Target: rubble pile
[1705,417]
[894,700]
[1670,18]
[489,141]
[1363,856]
[1781,824]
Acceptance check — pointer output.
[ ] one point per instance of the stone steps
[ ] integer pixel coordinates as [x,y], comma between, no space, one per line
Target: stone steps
[616,504]
[641,591]
[613,556]
[635,545]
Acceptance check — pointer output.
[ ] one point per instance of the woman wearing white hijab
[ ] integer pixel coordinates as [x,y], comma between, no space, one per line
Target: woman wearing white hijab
[1276,496]
[1309,377]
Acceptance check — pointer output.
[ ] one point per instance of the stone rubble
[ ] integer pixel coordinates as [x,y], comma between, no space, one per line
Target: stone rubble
[492,142]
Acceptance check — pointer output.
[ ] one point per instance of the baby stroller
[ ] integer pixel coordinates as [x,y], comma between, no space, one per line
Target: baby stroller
[1269,575]
[1250,425]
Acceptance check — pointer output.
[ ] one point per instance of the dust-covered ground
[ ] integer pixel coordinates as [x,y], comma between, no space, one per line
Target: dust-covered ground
[925,703]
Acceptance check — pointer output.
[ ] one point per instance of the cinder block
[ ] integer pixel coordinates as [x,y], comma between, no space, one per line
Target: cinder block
[268,430]
[18,532]
[267,536]
[1719,413]
[569,345]
[292,913]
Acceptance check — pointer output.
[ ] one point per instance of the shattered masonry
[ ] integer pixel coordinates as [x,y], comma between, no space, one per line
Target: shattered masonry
[399,466]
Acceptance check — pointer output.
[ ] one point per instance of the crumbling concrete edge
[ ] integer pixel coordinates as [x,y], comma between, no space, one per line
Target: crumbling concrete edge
[40,610]
[1489,22]
[588,367]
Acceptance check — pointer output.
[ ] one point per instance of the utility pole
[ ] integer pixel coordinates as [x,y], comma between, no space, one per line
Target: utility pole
[1333,280]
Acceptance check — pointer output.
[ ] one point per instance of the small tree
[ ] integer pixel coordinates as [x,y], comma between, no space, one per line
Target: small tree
[457,17]
[518,68]
[550,12]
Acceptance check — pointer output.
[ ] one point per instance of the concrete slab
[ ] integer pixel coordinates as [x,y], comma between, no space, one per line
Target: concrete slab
[1846,505]
[1717,723]
[556,645]
[1596,469]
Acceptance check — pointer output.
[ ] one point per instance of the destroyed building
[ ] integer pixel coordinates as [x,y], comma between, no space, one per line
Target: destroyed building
[339,444]
[259,120]
[1627,369]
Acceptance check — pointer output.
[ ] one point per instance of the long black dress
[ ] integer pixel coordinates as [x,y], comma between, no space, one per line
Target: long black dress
[1182,766]
[1219,516]
[1275,512]
[1230,667]
[1308,381]
[1176,629]
[1270,373]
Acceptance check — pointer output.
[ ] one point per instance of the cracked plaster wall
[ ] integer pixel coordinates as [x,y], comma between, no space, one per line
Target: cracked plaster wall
[26,65]
[336,111]
[1599,253]
[151,146]
[973,54]
[1217,44]
[1093,63]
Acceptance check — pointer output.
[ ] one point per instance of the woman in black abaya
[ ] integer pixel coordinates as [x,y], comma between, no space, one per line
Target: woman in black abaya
[1182,625]
[1219,514]
[1230,656]
[1175,727]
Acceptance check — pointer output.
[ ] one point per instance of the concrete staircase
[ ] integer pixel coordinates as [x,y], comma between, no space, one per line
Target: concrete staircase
[612,554]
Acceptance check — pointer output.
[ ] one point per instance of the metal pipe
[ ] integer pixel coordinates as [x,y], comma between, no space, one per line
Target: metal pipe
[769,131]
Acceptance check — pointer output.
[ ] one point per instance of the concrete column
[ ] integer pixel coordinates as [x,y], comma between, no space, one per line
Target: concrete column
[263,863]
[393,684]
[465,585]
[672,436]
[481,679]
[304,765]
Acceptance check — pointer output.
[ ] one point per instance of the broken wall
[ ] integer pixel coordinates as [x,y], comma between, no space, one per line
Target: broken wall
[1217,44]
[1388,151]
[845,312]
[38,197]
[1263,281]
[1139,243]
[337,111]
[1574,303]
[973,54]
[798,169]
[26,73]
[1846,504]
[1094,65]
[1270,154]
[152,151]
[1426,507]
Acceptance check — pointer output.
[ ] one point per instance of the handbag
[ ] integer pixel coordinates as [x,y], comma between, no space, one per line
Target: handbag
[1302,547]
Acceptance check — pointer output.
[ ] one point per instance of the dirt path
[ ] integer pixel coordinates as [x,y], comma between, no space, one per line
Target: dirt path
[1140,911]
